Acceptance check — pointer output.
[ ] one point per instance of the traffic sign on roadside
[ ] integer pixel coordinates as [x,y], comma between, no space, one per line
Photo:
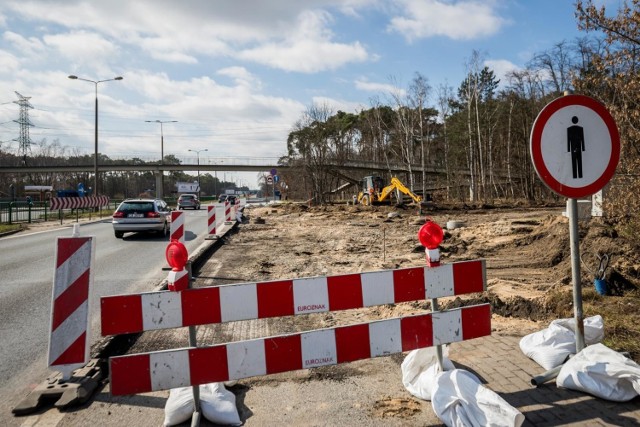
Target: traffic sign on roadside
[274,172]
[575,146]
[269,179]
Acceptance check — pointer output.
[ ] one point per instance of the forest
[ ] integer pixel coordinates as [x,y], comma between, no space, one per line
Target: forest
[470,142]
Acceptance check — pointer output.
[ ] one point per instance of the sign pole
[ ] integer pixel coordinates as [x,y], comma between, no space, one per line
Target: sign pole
[574,237]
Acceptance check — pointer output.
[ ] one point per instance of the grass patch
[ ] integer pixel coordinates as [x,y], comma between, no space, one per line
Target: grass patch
[5,228]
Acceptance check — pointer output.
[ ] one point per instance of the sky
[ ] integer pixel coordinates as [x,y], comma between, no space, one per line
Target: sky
[235,76]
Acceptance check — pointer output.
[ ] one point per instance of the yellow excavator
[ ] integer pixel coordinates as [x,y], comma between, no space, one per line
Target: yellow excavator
[374,191]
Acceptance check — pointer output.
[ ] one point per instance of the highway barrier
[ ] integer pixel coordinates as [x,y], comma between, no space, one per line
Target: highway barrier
[191,366]
[177,226]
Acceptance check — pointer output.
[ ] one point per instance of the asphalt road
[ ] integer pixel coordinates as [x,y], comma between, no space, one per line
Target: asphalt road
[129,265]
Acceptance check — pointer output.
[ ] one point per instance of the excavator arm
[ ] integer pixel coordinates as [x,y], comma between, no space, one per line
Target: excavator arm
[395,183]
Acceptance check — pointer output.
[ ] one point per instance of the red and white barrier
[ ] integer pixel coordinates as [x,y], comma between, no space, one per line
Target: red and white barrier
[73,279]
[177,226]
[211,219]
[140,373]
[134,313]
[78,202]
[227,211]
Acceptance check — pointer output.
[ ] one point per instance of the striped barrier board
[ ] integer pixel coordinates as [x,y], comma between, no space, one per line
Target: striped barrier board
[211,219]
[177,226]
[227,211]
[78,202]
[123,314]
[163,370]
[73,277]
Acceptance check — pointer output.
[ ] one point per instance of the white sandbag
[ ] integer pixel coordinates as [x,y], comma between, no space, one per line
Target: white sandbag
[593,328]
[420,368]
[460,400]
[179,407]
[219,405]
[602,372]
[551,346]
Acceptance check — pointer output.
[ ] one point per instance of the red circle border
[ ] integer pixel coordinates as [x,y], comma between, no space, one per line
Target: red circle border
[536,146]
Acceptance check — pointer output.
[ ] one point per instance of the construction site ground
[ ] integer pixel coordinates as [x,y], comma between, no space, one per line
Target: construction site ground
[529,282]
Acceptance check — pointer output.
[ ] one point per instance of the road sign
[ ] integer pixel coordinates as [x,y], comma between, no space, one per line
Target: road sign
[575,146]
[274,172]
[276,178]
[269,179]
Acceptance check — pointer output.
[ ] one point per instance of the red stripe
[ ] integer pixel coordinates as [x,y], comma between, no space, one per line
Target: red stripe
[283,354]
[353,343]
[201,307]
[417,332]
[476,321]
[69,301]
[275,299]
[74,353]
[208,365]
[130,374]
[345,291]
[178,233]
[408,284]
[121,314]
[468,277]
[67,246]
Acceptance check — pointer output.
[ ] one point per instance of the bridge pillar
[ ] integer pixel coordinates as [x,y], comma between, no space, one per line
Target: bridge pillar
[159,184]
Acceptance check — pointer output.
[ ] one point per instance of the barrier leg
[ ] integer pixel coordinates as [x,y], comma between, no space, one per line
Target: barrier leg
[193,342]
[434,308]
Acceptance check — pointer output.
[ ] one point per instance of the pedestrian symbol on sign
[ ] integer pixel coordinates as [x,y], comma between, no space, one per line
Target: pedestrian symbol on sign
[575,145]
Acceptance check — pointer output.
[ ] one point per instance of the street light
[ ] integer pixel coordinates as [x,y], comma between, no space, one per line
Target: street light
[161,136]
[95,158]
[161,193]
[198,155]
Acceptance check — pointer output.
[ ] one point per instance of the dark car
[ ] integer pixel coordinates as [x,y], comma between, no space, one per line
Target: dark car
[188,201]
[141,215]
[231,199]
[222,198]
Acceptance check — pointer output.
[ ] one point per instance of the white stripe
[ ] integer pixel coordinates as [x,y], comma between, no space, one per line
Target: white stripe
[238,302]
[447,326]
[385,337]
[246,359]
[169,369]
[68,332]
[377,288]
[161,310]
[310,295]
[72,268]
[438,281]
[319,348]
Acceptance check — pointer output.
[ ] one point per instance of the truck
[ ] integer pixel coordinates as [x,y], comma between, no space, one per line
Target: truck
[375,192]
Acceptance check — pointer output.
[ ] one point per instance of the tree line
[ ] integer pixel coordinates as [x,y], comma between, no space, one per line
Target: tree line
[471,142]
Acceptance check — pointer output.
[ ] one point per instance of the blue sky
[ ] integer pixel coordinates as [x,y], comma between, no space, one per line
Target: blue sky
[237,75]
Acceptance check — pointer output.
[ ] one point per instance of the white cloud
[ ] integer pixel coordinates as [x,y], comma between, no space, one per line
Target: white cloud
[84,50]
[336,105]
[501,67]
[380,88]
[458,20]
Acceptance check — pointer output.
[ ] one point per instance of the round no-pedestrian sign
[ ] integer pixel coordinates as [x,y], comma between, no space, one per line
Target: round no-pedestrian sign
[575,146]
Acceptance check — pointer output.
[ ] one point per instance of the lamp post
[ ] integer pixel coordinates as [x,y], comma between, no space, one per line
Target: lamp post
[95,158]
[160,194]
[161,136]
[198,155]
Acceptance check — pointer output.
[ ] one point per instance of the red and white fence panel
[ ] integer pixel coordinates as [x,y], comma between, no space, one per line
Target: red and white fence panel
[177,226]
[164,370]
[78,202]
[72,283]
[198,365]
[211,220]
[123,314]
[227,211]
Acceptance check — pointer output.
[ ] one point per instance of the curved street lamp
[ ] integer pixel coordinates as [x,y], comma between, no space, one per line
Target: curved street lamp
[95,157]
[198,155]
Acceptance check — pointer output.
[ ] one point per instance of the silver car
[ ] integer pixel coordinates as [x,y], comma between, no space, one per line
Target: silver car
[141,215]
